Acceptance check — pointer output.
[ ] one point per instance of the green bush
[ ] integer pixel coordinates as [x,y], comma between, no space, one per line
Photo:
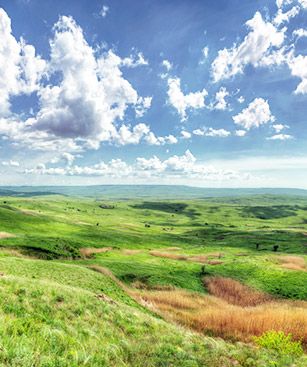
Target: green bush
[279,342]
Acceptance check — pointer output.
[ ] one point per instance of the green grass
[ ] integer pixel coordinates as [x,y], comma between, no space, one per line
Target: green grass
[50,312]
[48,321]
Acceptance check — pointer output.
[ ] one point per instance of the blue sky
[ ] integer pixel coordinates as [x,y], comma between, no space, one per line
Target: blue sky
[190,92]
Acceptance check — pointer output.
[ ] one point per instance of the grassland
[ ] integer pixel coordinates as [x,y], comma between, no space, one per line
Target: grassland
[98,282]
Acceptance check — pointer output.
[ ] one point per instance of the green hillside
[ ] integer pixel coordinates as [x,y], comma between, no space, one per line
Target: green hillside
[79,278]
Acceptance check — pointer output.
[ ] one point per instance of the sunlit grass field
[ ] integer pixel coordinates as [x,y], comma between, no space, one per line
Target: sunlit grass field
[97,282]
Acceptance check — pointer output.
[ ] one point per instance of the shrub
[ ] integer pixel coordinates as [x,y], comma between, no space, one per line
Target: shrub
[280,342]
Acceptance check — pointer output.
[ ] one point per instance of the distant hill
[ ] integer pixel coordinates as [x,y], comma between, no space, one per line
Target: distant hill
[145,191]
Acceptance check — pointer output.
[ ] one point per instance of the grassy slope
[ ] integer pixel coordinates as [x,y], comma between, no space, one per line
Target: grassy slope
[50,316]
[57,227]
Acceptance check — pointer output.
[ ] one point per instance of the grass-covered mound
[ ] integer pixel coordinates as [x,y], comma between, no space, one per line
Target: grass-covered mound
[55,315]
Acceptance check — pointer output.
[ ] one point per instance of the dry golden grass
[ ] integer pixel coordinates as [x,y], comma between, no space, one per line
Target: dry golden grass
[215,262]
[206,313]
[168,255]
[292,262]
[88,251]
[234,292]
[131,252]
[172,248]
[198,258]
[217,255]
[6,235]
[195,258]
[11,252]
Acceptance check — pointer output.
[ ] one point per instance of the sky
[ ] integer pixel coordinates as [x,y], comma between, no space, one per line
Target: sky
[195,92]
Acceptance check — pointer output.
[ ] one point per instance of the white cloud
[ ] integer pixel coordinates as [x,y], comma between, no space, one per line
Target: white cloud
[257,113]
[277,57]
[298,67]
[220,102]
[68,158]
[303,3]
[114,168]
[142,106]
[176,167]
[167,64]
[134,61]
[183,102]
[282,17]
[186,134]
[222,133]
[260,41]
[241,99]
[10,163]
[205,54]
[80,111]
[20,69]
[240,133]
[279,127]
[281,3]
[126,135]
[299,33]
[199,132]
[152,139]
[104,11]
[280,137]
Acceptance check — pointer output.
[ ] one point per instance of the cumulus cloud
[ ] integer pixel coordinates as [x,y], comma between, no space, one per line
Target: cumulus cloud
[185,134]
[86,104]
[152,139]
[134,61]
[280,137]
[279,127]
[20,68]
[126,135]
[222,133]
[240,133]
[283,3]
[167,64]
[241,99]
[184,102]
[142,106]
[298,67]
[256,114]
[283,17]
[175,167]
[114,168]
[10,163]
[300,32]
[220,102]
[259,42]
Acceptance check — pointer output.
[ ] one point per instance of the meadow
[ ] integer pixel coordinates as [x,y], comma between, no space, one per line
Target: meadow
[107,281]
